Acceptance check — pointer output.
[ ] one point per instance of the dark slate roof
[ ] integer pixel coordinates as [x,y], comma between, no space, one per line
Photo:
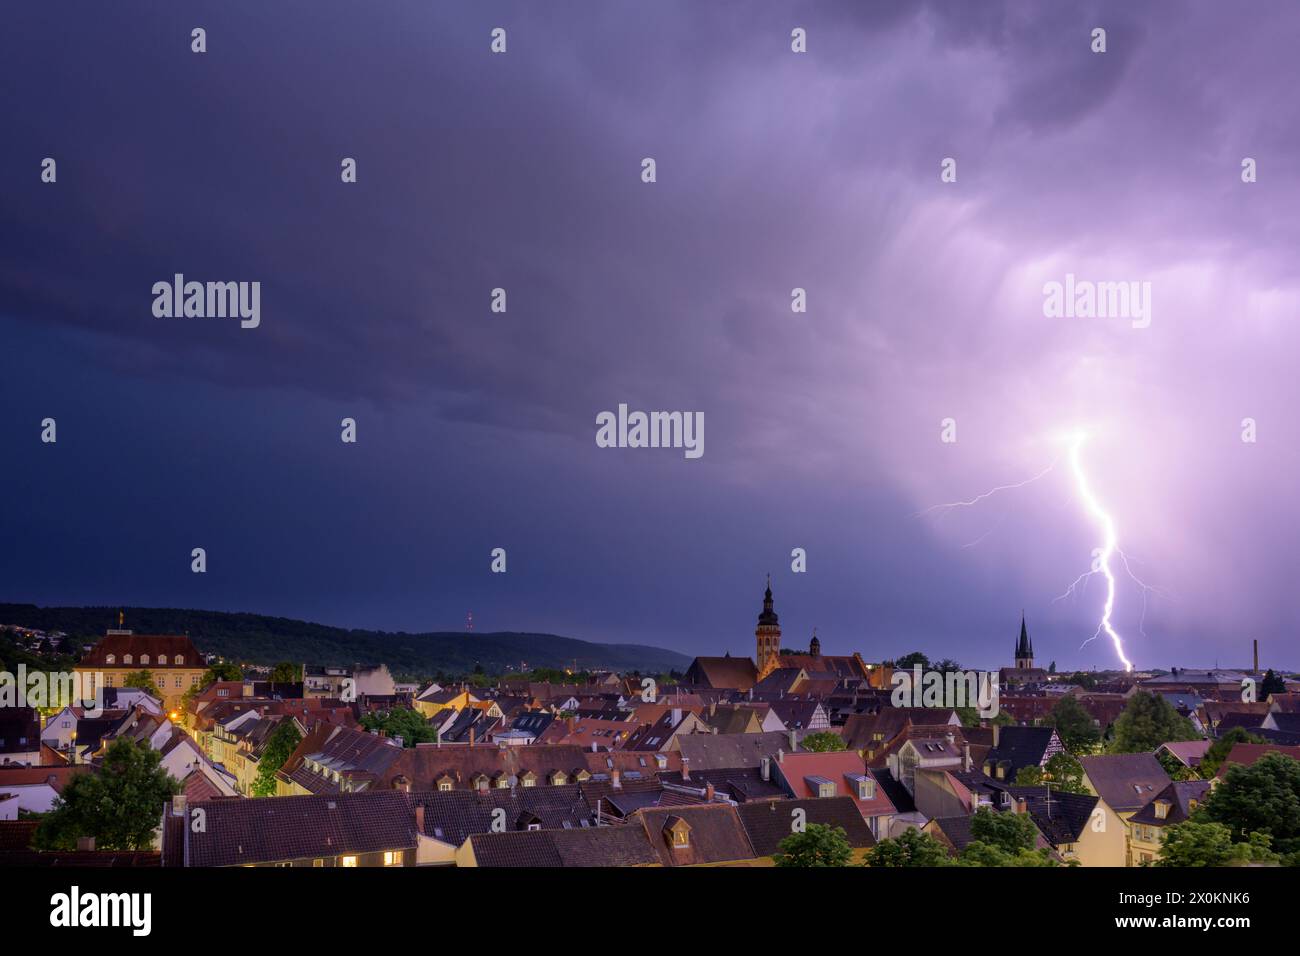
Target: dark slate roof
[1062,820]
[600,846]
[768,822]
[1019,747]
[738,673]
[1125,781]
[711,751]
[1180,793]
[956,829]
[895,791]
[273,829]
[739,783]
[452,816]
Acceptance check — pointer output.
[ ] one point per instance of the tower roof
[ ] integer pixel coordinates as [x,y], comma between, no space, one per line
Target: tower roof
[768,617]
[1024,647]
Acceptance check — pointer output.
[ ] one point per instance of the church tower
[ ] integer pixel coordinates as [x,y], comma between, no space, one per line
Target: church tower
[768,636]
[1024,648]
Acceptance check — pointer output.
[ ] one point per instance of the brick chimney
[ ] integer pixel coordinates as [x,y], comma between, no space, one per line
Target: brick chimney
[708,792]
[419,819]
[616,779]
[686,768]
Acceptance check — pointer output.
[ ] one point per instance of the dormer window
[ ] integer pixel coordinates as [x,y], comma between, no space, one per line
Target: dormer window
[110,659]
[559,779]
[144,658]
[126,658]
[179,659]
[678,832]
[1162,809]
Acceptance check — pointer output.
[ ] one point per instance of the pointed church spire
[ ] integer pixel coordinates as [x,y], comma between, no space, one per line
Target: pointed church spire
[1024,647]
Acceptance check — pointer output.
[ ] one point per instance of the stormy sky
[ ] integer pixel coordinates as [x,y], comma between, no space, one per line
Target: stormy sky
[775,170]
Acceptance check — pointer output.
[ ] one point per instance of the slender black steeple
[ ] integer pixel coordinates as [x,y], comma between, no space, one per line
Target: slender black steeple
[1024,647]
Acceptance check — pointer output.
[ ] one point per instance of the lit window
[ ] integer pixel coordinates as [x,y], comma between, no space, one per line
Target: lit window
[349,861]
[126,658]
[444,785]
[393,858]
[110,659]
[144,658]
[179,660]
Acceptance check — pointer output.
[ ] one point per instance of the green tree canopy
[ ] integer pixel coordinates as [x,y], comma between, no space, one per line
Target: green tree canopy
[1219,750]
[1147,722]
[1074,725]
[823,741]
[818,845]
[1009,832]
[143,680]
[911,848]
[908,661]
[284,738]
[402,722]
[286,672]
[119,806]
[1204,843]
[1263,798]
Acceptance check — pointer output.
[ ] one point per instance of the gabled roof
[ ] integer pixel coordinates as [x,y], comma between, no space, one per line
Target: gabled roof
[1179,795]
[1125,781]
[1241,755]
[1189,752]
[716,834]
[241,832]
[1061,818]
[768,822]
[599,846]
[712,751]
[161,648]
[1020,747]
[738,673]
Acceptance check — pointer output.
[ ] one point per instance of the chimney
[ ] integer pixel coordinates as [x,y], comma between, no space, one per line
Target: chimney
[85,844]
[951,739]
[708,792]
[178,805]
[997,732]
[794,744]
[616,779]
[1020,805]
[686,768]
[965,756]
[765,768]
[471,736]
[419,819]
[780,755]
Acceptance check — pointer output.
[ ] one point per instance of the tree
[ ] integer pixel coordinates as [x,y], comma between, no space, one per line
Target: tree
[1065,773]
[911,848]
[978,853]
[1204,843]
[1271,684]
[284,738]
[143,680]
[1074,725]
[1176,769]
[818,845]
[222,670]
[823,741]
[1219,750]
[969,716]
[402,722]
[946,666]
[286,673]
[1009,832]
[908,661]
[119,806]
[1263,798]
[1147,722]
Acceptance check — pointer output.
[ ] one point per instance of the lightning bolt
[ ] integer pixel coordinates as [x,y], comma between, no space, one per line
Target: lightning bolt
[1110,545]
